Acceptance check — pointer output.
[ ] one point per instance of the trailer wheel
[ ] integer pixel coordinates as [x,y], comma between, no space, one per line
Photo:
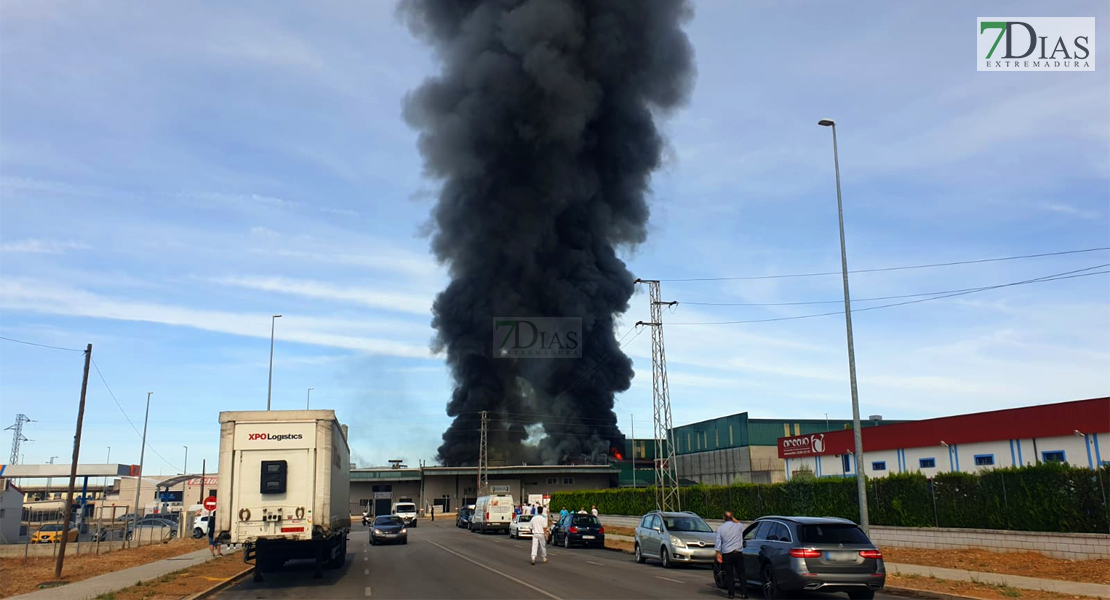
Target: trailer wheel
[337,561]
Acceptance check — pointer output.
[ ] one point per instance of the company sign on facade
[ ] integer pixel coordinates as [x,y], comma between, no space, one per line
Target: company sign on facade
[804,445]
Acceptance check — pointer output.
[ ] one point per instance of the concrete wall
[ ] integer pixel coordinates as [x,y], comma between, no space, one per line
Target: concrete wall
[1072,546]
[364,490]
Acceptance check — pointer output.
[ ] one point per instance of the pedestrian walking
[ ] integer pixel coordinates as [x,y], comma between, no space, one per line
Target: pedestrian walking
[213,543]
[593,511]
[729,546]
[539,535]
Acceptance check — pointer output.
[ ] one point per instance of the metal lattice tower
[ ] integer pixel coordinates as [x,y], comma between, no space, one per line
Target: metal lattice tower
[17,436]
[666,470]
[483,458]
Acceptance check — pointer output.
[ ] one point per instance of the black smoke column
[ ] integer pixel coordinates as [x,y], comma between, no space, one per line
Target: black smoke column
[540,128]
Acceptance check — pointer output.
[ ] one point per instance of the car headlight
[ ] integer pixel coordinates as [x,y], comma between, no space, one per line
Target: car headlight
[677,543]
[404,530]
[377,532]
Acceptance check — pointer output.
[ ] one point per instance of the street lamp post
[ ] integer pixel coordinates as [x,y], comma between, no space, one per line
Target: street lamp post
[142,458]
[270,386]
[185,469]
[50,480]
[308,399]
[861,487]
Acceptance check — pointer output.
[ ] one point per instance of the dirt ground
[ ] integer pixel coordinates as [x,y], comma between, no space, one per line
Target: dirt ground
[971,590]
[629,531]
[183,584]
[1029,564]
[618,545]
[21,576]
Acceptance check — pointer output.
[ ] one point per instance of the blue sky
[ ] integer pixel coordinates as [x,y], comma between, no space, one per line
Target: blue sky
[171,177]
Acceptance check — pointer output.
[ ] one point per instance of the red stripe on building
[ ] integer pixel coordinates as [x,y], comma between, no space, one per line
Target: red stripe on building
[1045,420]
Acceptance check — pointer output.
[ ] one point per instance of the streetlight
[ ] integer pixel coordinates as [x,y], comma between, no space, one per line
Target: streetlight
[185,469]
[308,399]
[270,387]
[861,487]
[49,480]
[142,458]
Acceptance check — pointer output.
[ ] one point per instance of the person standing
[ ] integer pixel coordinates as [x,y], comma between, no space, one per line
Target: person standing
[213,543]
[538,525]
[593,511]
[563,513]
[730,546]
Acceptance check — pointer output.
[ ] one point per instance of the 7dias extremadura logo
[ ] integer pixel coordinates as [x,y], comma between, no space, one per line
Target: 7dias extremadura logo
[1035,44]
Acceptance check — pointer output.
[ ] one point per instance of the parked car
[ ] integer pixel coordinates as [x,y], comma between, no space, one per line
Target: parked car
[52,532]
[407,511]
[462,519]
[578,529]
[149,528]
[389,529]
[675,538]
[520,526]
[200,526]
[789,554]
[492,513]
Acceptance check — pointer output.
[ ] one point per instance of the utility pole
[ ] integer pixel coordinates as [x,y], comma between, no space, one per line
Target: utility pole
[139,477]
[203,474]
[308,398]
[483,458]
[270,386]
[17,436]
[632,424]
[49,480]
[857,432]
[666,470]
[73,468]
[185,468]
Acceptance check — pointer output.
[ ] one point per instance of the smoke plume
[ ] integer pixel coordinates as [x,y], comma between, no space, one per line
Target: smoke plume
[540,128]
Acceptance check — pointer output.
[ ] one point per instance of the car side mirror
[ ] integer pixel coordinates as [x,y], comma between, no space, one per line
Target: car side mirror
[659,529]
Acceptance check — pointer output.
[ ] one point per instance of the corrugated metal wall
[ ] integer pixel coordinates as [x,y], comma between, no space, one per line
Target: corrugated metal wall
[714,434]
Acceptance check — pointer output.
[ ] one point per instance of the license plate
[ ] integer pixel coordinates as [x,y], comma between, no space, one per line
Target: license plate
[841,556]
[587,537]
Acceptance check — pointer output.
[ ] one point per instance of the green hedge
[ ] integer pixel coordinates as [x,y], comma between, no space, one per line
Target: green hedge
[1045,497]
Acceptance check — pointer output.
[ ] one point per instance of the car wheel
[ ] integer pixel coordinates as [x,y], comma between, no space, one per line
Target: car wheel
[770,586]
[639,555]
[665,557]
[405,542]
[719,576]
[129,536]
[197,533]
[861,594]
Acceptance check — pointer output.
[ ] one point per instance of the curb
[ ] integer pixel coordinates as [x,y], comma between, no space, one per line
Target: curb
[221,585]
[916,593]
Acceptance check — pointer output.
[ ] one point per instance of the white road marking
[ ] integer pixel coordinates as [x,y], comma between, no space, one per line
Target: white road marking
[367,591]
[365,559]
[366,572]
[505,575]
[669,579]
[595,563]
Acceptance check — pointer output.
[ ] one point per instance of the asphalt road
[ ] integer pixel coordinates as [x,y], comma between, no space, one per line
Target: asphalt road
[441,561]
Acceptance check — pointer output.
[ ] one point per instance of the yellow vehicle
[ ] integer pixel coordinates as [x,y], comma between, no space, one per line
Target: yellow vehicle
[48,534]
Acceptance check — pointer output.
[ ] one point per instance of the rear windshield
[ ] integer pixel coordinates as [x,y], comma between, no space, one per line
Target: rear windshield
[686,524]
[524,518]
[586,521]
[406,508]
[833,534]
[389,521]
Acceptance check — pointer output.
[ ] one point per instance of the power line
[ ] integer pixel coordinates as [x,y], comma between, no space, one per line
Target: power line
[7,339]
[1057,277]
[129,422]
[901,268]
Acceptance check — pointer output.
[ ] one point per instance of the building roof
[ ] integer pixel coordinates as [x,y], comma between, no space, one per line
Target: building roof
[1040,421]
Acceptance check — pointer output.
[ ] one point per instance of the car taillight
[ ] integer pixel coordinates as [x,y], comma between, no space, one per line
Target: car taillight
[805,553]
[573,529]
[601,530]
[870,554]
[487,516]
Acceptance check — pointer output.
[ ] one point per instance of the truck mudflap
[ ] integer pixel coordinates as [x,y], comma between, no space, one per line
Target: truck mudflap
[271,554]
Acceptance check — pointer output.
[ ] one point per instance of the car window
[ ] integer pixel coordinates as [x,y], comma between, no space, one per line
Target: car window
[758,531]
[655,522]
[778,532]
[391,520]
[646,522]
[691,523]
[832,533]
[51,528]
[524,518]
[586,521]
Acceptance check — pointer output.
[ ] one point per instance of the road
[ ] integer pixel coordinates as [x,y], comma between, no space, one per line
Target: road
[441,561]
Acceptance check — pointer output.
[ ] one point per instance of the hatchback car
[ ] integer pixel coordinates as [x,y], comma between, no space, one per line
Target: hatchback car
[789,554]
[520,526]
[150,528]
[463,518]
[580,529]
[675,538]
[389,529]
[49,534]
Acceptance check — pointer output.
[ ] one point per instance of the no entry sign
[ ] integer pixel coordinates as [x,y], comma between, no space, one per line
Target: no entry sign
[210,503]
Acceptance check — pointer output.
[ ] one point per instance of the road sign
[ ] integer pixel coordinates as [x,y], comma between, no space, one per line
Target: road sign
[210,503]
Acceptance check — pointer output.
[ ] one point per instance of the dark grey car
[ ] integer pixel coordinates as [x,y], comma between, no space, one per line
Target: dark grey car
[789,554]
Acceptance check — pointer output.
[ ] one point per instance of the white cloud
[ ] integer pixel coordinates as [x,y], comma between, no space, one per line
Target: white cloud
[40,246]
[377,298]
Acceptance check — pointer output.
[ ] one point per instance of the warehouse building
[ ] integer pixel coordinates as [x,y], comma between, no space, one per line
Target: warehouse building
[1068,432]
[739,449]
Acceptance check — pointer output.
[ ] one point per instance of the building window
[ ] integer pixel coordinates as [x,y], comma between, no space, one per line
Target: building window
[1053,456]
[879,465]
[927,463]
[552,480]
[568,481]
[984,460]
[846,463]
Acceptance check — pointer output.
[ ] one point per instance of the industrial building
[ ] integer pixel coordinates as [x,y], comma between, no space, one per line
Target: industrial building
[1067,432]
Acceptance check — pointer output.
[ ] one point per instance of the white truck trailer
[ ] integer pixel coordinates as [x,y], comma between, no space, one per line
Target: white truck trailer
[284,482]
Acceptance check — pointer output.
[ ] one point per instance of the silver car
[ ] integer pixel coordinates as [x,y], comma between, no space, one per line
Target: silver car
[520,526]
[675,538]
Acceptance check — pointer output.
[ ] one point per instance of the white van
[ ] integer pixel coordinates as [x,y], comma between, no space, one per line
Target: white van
[407,511]
[492,513]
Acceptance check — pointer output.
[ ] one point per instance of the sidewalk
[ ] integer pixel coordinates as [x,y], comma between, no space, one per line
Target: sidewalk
[110,582]
[1015,581]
